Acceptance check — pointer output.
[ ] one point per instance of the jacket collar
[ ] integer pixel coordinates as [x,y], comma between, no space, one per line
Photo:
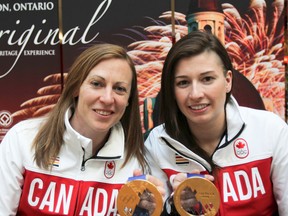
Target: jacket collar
[234,121]
[182,150]
[113,148]
[235,126]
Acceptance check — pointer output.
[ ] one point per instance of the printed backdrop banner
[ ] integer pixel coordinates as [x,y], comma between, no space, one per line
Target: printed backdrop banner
[34,62]
[29,52]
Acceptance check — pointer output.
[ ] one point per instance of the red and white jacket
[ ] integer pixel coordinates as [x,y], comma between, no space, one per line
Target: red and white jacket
[78,183]
[253,156]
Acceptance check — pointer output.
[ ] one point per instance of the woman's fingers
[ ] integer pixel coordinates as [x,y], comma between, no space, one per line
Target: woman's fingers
[180,177]
[158,183]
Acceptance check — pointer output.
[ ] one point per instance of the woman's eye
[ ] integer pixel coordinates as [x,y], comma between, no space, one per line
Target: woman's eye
[182,83]
[120,89]
[96,84]
[208,79]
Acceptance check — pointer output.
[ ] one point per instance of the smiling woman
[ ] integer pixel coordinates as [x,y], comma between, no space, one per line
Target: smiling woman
[85,149]
[200,91]
[242,149]
[102,100]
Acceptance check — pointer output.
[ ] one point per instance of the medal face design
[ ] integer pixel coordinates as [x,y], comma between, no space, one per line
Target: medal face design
[200,197]
[137,196]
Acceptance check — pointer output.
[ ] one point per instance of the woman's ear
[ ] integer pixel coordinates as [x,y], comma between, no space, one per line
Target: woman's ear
[229,78]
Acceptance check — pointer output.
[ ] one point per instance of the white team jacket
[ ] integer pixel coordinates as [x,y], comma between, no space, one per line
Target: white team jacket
[77,184]
[253,156]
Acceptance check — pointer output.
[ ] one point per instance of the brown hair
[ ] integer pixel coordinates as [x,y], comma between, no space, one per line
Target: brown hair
[49,139]
[176,124]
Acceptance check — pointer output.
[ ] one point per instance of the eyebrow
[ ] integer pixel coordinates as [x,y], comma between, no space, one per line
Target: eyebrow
[201,74]
[207,72]
[102,78]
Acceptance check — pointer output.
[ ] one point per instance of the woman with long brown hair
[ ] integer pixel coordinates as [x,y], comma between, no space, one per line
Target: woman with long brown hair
[206,132]
[74,160]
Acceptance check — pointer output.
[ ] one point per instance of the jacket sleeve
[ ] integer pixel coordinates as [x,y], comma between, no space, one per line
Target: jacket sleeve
[279,172]
[151,149]
[11,173]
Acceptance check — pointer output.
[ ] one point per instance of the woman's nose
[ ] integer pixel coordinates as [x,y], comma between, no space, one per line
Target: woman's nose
[107,96]
[196,92]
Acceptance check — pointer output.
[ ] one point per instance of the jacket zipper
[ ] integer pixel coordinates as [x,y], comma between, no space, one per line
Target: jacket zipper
[83,161]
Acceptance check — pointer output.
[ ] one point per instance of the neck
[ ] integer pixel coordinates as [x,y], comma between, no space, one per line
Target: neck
[99,143]
[208,138]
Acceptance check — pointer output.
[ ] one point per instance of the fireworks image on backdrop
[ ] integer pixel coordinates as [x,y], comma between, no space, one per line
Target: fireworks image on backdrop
[255,44]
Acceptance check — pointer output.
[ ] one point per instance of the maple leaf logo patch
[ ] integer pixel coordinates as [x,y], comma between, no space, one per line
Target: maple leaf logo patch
[241,149]
[109,170]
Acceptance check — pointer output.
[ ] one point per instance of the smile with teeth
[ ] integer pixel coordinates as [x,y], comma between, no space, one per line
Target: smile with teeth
[198,107]
[102,112]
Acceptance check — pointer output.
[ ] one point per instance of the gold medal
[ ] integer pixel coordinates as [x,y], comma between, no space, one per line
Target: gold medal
[135,197]
[200,195]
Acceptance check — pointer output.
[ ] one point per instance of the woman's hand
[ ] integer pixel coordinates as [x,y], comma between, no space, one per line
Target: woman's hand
[180,177]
